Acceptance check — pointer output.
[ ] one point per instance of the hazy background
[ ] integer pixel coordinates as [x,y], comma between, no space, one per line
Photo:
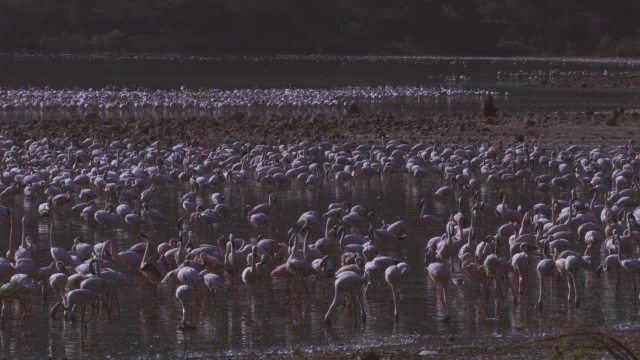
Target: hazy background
[469,27]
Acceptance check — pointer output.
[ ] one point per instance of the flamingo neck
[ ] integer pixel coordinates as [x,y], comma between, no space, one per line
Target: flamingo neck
[24,241]
[326,228]
[147,251]
[12,245]
[184,314]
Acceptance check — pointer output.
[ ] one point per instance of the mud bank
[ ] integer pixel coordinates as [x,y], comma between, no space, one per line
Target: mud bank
[508,127]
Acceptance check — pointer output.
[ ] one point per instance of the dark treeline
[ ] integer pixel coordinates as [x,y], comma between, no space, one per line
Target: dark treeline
[481,27]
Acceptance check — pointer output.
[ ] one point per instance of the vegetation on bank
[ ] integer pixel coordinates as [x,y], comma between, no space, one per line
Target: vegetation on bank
[474,27]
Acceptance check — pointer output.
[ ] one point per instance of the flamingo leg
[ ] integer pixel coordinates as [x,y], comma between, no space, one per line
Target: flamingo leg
[363,314]
[355,306]
[635,289]
[82,324]
[541,294]
[340,311]
[395,303]
[575,289]
[569,275]
[513,293]
[305,287]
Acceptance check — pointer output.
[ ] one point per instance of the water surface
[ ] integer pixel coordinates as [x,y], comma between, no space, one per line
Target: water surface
[157,72]
[147,325]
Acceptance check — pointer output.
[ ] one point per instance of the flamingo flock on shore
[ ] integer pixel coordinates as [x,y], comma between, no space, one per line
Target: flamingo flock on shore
[115,98]
[555,74]
[593,210]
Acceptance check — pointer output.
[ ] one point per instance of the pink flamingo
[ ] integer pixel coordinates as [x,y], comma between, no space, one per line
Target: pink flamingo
[347,282]
[393,275]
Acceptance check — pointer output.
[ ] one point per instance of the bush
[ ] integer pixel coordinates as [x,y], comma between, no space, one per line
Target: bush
[108,41]
[353,109]
[488,108]
[605,46]
[628,47]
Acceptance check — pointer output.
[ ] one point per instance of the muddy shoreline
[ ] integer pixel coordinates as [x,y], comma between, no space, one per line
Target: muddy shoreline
[616,126]
[575,344]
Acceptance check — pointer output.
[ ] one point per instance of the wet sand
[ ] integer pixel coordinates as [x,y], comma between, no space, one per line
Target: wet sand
[565,128]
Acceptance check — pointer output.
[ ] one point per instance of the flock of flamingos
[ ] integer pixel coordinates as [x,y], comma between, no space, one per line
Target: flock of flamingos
[558,239]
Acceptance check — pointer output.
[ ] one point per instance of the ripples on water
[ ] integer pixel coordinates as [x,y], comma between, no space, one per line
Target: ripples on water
[148,321]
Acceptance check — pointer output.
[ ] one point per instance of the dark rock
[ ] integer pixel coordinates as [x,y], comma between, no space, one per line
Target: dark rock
[488,108]
[369,356]
[353,109]
[613,120]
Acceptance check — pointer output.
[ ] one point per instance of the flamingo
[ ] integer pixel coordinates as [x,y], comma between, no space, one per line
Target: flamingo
[148,265]
[347,282]
[428,219]
[299,268]
[545,268]
[105,217]
[440,275]
[75,299]
[213,282]
[393,275]
[249,274]
[186,294]
[572,265]
[264,207]
[58,253]
[58,282]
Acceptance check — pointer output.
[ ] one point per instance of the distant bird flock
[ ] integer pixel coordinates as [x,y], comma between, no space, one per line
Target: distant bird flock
[116,98]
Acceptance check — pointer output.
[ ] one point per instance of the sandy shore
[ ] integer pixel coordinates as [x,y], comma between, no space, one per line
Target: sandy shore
[564,128]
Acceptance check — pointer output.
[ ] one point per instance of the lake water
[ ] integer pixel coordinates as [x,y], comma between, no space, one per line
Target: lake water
[320,72]
[147,325]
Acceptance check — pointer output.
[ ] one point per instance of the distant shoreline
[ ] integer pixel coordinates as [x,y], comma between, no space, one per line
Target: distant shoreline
[628,61]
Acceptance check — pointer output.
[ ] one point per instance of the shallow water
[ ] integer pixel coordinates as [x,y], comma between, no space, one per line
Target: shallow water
[319,72]
[147,325]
